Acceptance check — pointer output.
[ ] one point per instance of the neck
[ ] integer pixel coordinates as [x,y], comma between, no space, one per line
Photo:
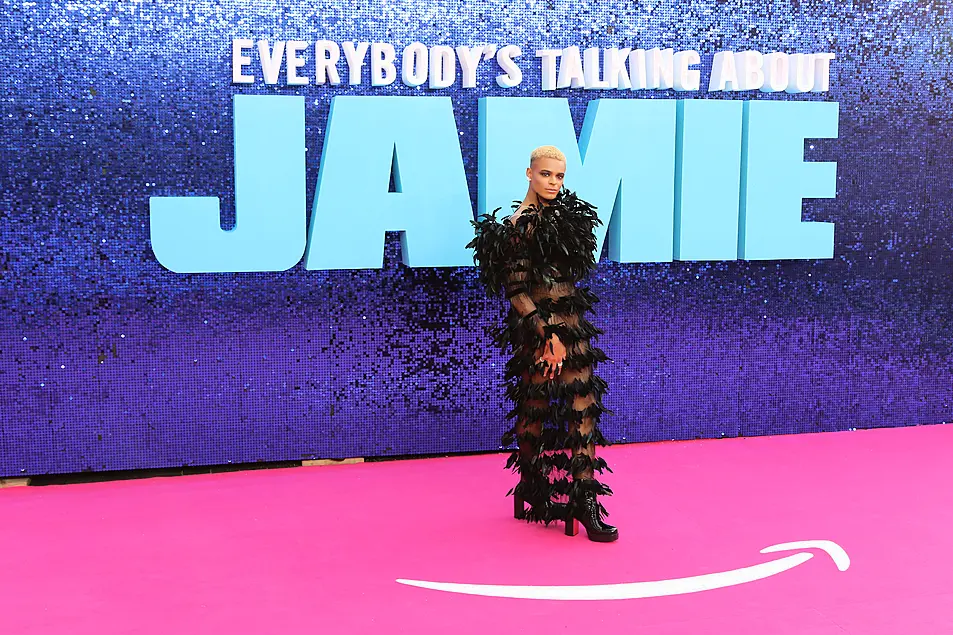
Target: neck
[532,198]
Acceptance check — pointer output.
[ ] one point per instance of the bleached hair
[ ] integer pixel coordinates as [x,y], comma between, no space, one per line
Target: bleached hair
[546,152]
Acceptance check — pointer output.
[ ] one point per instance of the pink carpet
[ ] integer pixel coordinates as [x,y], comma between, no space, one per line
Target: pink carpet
[320,550]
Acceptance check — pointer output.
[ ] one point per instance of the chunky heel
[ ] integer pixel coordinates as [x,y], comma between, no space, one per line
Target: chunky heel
[587,514]
[572,526]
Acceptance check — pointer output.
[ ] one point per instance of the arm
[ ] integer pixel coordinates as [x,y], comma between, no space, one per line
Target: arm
[517,292]
[499,252]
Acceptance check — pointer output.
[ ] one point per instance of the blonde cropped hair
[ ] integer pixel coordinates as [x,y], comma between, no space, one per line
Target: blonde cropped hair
[546,152]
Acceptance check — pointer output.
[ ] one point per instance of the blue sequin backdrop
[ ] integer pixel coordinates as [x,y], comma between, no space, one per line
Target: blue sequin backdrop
[108,361]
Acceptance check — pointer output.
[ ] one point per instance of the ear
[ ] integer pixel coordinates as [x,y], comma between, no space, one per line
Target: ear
[529,174]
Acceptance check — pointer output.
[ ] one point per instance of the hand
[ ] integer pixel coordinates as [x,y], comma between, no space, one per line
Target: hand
[554,353]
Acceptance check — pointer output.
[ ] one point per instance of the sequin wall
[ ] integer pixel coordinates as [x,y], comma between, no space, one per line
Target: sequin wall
[108,361]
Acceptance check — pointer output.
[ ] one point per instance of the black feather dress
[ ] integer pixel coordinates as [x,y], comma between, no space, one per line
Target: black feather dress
[537,263]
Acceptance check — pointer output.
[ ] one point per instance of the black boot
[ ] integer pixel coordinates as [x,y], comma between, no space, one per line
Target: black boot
[531,499]
[586,511]
[525,458]
[519,508]
[522,494]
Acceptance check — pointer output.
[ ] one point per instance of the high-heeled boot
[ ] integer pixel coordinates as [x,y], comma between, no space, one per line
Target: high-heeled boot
[527,469]
[531,491]
[519,507]
[520,497]
[586,511]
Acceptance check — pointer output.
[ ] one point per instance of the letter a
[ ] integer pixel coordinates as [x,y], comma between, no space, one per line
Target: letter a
[352,205]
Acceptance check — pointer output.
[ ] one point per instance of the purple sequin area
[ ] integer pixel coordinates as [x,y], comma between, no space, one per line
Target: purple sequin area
[108,361]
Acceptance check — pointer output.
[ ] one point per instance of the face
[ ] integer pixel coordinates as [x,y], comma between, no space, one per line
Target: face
[546,177]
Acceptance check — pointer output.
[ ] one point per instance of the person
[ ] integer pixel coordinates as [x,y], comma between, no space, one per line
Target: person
[537,255]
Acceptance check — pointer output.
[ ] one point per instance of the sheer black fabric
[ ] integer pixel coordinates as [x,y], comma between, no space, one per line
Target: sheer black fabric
[537,263]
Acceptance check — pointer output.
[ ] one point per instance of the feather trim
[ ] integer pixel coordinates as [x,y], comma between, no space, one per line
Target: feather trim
[555,244]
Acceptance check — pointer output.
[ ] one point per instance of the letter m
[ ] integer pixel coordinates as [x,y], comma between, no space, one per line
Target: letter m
[624,164]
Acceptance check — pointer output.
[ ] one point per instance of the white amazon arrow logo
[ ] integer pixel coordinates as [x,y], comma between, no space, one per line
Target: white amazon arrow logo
[657,588]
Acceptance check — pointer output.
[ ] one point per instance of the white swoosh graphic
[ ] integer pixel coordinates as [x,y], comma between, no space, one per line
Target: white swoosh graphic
[657,588]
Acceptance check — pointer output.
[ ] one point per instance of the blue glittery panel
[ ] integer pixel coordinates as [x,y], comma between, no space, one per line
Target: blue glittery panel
[108,361]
